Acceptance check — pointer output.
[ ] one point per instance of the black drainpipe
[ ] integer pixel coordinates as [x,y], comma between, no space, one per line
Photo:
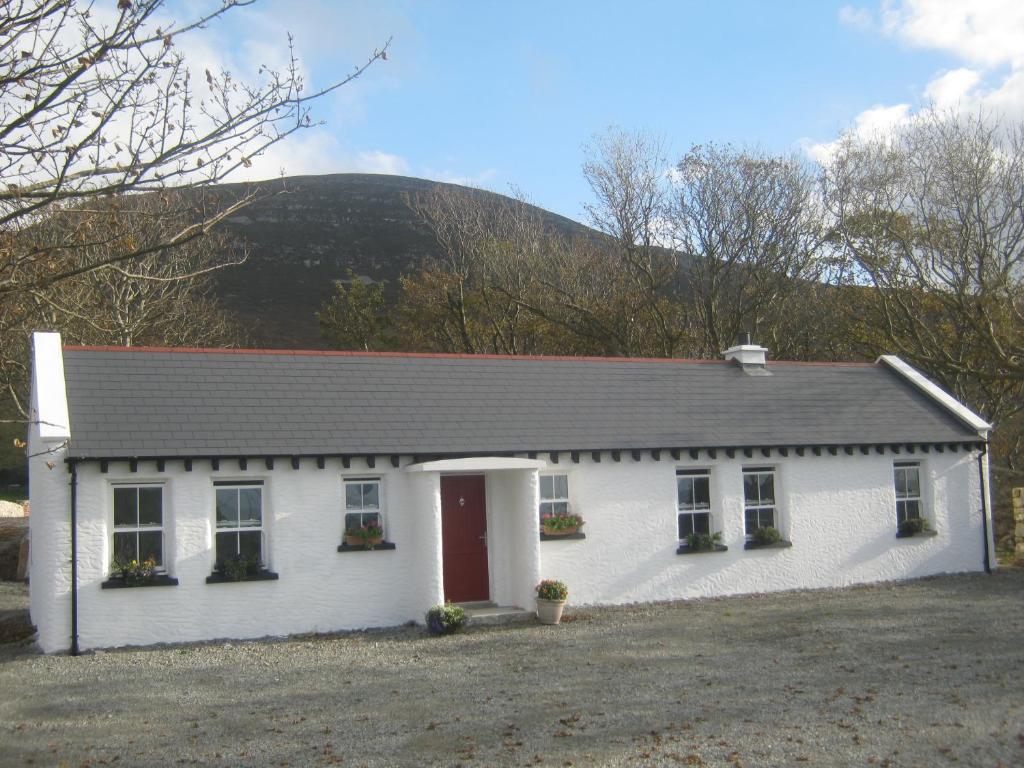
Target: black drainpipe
[984,502]
[74,559]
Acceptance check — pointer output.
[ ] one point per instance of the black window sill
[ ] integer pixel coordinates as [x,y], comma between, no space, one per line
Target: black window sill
[160,580]
[221,578]
[566,537]
[781,544]
[685,550]
[363,548]
[923,534]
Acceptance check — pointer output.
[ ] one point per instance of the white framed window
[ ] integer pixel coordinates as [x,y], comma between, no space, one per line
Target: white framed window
[693,501]
[363,503]
[139,523]
[907,480]
[239,516]
[759,508]
[554,495]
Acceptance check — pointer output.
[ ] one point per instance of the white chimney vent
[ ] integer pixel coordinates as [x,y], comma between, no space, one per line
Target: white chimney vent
[751,356]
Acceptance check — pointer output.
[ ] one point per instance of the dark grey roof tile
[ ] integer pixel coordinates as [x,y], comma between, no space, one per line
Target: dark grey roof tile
[173,403]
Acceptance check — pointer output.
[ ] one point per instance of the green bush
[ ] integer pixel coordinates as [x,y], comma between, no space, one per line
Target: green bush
[767,535]
[445,619]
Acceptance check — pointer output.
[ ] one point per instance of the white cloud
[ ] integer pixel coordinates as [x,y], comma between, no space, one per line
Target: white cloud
[375,161]
[954,89]
[856,17]
[479,179]
[869,124]
[984,32]
[986,35]
[316,151]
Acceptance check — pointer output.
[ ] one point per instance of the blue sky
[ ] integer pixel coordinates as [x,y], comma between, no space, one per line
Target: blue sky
[507,94]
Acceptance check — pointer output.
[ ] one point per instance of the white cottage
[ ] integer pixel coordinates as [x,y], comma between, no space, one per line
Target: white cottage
[237,473]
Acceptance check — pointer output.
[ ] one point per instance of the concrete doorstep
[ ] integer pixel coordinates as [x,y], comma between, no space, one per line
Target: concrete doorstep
[483,613]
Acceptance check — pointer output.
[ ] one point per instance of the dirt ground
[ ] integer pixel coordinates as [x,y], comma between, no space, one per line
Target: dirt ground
[923,673]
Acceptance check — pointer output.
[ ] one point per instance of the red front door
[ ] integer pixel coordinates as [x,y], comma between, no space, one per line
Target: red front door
[464,538]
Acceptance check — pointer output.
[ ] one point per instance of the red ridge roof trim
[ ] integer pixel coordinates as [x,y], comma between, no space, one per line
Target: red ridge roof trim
[431,355]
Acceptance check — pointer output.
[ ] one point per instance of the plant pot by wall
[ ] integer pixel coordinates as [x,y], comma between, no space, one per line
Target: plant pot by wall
[560,532]
[549,611]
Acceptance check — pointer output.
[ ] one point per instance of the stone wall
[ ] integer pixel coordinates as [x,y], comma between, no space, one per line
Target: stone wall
[1018,523]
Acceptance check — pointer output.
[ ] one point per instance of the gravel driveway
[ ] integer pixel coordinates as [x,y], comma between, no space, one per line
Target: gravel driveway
[925,673]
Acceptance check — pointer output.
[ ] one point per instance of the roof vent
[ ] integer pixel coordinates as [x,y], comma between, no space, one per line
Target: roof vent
[752,357]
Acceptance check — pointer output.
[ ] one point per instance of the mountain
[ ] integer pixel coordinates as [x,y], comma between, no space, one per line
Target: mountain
[304,238]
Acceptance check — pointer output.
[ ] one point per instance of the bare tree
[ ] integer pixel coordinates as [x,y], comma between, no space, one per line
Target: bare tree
[932,217]
[628,174]
[164,298]
[93,107]
[750,230]
[472,298]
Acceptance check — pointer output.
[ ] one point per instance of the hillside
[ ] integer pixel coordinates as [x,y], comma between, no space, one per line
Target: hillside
[307,236]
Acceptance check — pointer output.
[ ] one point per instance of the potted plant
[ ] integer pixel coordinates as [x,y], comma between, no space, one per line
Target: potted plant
[445,619]
[367,535]
[551,597]
[561,525]
[913,526]
[703,542]
[133,572]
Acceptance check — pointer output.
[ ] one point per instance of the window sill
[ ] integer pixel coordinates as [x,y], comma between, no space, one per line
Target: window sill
[220,578]
[386,545]
[685,550]
[781,544]
[922,534]
[564,537]
[160,580]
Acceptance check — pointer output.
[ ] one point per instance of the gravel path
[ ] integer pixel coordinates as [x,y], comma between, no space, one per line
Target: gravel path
[926,673]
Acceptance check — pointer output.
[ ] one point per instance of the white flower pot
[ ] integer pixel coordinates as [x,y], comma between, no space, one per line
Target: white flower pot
[549,611]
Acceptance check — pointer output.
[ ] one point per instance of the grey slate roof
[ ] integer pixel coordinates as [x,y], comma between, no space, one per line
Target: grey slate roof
[145,403]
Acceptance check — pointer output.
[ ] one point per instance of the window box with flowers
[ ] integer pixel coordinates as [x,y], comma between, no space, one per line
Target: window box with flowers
[695,543]
[767,538]
[240,568]
[368,537]
[132,573]
[561,526]
[914,526]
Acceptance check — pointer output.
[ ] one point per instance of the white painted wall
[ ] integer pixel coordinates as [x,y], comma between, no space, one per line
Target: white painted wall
[513,531]
[50,493]
[319,590]
[839,512]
